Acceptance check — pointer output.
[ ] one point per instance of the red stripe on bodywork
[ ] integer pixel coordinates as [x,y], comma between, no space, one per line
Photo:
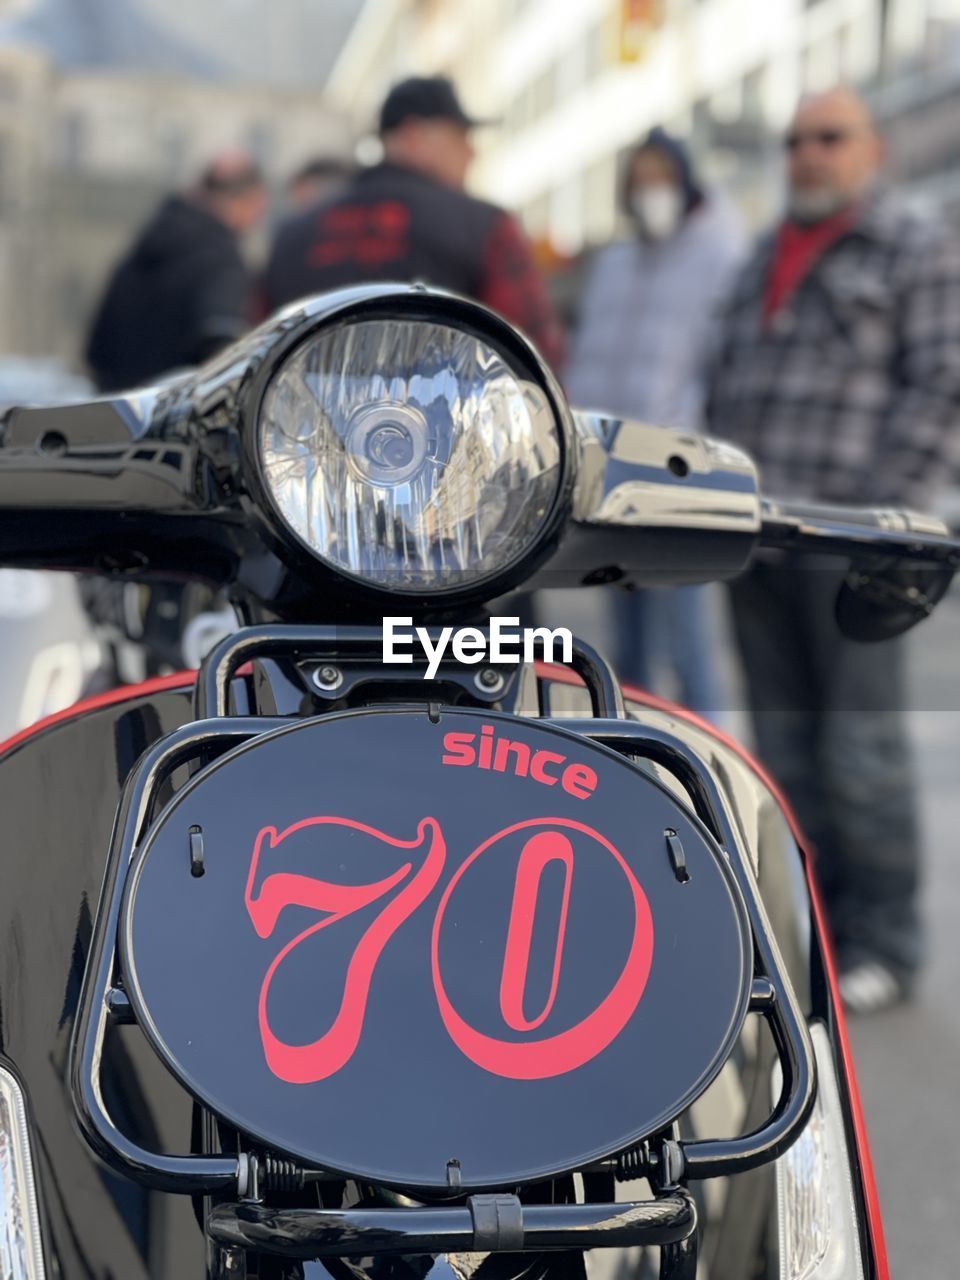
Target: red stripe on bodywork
[124,693]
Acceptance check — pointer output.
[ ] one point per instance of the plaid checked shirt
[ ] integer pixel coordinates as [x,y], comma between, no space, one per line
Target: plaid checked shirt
[850,393]
[511,284]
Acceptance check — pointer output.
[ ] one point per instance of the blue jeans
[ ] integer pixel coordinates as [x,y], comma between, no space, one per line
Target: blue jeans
[829,718]
[668,629]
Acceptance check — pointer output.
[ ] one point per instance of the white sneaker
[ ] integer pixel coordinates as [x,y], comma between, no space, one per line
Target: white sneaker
[870,986]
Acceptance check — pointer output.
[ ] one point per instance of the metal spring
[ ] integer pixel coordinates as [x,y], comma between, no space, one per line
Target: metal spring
[631,1164]
[280,1175]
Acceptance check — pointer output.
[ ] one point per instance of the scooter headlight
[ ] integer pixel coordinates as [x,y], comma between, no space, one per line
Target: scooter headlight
[410,454]
[21,1253]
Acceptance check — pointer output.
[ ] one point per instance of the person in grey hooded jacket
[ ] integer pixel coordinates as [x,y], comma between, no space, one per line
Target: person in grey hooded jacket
[639,351]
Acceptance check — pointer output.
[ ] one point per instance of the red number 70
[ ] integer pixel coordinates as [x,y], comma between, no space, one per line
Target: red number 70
[548,842]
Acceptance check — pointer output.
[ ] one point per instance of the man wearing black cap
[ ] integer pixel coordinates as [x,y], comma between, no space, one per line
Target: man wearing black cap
[409,218]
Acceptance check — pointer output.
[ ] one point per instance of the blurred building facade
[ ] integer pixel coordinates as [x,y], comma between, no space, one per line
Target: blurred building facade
[575,82]
[103,109]
[287,42]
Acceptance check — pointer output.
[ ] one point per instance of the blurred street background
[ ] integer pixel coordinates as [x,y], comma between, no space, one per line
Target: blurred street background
[108,105]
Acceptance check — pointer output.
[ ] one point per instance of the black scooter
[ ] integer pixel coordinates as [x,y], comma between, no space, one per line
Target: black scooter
[312,966]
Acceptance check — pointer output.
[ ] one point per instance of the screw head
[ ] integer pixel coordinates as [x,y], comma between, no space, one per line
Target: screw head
[327,678]
[489,680]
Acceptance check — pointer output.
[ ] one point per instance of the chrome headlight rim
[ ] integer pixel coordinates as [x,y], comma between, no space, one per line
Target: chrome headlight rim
[301,324]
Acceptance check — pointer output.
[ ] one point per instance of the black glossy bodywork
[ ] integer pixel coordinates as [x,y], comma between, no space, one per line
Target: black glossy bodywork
[59,791]
[96,1221]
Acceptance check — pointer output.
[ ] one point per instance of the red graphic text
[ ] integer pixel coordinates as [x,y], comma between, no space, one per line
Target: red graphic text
[306,1063]
[548,844]
[503,755]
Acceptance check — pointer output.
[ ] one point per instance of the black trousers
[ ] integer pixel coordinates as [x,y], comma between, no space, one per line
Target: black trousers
[829,719]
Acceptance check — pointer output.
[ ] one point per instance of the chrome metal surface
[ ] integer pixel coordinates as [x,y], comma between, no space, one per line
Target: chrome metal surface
[636,473]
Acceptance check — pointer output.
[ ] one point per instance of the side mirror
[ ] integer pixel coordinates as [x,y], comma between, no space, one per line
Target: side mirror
[884,599]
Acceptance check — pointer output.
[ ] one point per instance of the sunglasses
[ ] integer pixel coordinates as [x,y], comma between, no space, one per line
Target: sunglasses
[822,137]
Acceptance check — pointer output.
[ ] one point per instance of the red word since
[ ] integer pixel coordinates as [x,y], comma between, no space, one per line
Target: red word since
[503,755]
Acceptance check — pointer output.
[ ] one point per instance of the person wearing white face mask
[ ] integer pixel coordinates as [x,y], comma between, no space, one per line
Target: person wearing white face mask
[639,351]
[658,206]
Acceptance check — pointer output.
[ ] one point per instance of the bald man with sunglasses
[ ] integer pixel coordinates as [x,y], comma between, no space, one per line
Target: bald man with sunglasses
[839,370]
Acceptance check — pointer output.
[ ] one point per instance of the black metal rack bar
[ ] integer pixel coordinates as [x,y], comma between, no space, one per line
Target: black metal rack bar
[357,643]
[322,1233]
[773,997]
[99,1005]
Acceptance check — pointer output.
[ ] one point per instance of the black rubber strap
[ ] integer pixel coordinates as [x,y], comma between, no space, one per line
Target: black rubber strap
[497,1223]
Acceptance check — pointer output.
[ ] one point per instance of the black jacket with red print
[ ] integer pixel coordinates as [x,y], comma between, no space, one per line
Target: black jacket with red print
[397,224]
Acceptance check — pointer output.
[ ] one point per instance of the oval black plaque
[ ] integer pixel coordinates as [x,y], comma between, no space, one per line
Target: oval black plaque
[415,943]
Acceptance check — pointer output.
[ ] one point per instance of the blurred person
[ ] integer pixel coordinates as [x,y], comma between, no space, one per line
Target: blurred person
[183,290]
[839,371]
[318,181]
[410,218]
[639,351]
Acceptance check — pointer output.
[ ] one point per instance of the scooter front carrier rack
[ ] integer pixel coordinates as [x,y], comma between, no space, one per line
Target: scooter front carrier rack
[238,1216]
[486,1224]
